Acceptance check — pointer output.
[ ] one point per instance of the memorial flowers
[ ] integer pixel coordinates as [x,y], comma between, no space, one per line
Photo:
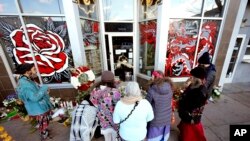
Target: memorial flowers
[82,79]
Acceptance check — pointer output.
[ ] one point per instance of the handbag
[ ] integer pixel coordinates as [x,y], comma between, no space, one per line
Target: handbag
[118,138]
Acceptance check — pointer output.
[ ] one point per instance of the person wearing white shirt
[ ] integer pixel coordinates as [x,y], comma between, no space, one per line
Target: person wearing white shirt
[134,128]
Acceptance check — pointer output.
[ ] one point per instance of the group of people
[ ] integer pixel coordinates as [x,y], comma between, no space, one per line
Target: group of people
[129,117]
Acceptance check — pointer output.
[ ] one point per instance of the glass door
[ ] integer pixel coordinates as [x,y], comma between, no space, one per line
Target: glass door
[119,48]
[234,58]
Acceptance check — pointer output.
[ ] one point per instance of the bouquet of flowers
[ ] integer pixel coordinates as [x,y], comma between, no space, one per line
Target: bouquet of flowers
[82,78]
[14,106]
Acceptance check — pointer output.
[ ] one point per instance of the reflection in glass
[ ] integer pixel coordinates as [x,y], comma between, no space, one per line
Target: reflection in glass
[208,37]
[7,6]
[88,10]
[50,45]
[42,6]
[147,46]
[214,8]
[234,57]
[186,8]
[148,9]
[118,10]
[123,57]
[182,40]
[7,26]
[90,32]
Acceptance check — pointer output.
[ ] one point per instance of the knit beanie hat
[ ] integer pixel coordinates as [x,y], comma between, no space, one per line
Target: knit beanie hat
[107,76]
[198,72]
[204,59]
[23,68]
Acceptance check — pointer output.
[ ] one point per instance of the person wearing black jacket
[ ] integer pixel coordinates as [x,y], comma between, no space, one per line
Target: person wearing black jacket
[204,61]
[191,106]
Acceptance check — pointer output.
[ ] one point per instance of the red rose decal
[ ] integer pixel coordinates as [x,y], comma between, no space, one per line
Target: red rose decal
[48,48]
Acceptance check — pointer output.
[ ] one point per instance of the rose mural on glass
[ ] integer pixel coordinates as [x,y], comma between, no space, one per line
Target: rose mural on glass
[47,45]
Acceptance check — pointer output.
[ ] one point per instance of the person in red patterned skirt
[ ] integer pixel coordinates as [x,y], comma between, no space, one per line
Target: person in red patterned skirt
[191,106]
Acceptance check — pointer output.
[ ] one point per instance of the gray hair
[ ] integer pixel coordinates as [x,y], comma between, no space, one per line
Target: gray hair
[133,89]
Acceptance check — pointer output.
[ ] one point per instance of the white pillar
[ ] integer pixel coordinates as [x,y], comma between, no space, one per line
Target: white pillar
[162,35]
[74,31]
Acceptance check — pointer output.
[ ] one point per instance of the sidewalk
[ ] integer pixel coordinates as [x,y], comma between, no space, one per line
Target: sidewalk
[232,108]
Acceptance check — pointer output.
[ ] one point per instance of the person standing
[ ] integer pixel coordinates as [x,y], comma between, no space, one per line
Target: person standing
[159,96]
[132,113]
[35,98]
[104,97]
[204,61]
[191,106]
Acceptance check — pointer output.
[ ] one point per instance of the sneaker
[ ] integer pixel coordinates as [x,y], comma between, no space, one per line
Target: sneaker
[211,99]
[44,134]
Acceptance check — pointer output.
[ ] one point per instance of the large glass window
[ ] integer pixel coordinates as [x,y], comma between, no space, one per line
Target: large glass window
[42,6]
[214,8]
[48,41]
[186,42]
[182,41]
[51,47]
[90,32]
[147,46]
[7,26]
[118,10]
[186,8]
[88,9]
[7,6]
[147,30]
[148,9]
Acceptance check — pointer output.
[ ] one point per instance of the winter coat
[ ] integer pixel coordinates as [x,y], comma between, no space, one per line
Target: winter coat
[160,98]
[36,99]
[84,122]
[191,104]
[210,79]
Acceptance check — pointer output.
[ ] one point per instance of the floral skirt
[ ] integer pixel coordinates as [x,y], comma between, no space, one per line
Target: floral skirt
[43,121]
[191,132]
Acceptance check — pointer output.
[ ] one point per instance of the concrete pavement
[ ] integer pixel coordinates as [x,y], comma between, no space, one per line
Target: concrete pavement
[233,107]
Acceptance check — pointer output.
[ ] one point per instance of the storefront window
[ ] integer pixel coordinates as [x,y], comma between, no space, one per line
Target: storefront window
[88,9]
[148,9]
[208,37]
[188,38]
[42,6]
[118,10]
[147,46]
[51,46]
[90,32]
[7,25]
[48,38]
[7,6]
[182,41]
[214,8]
[186,8]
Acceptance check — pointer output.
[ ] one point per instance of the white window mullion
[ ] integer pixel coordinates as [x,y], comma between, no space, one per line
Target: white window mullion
[102,36]
[28,40]
[75,33]
[162,35]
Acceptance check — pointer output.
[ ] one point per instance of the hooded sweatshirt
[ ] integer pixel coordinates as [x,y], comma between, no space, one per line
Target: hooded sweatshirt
[160,98]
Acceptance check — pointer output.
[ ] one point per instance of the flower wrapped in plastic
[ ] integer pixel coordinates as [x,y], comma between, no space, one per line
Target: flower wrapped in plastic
[14,107]
[82,79]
